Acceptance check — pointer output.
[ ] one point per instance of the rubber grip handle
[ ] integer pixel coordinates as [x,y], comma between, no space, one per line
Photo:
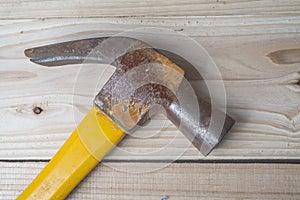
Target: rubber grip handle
[95,136]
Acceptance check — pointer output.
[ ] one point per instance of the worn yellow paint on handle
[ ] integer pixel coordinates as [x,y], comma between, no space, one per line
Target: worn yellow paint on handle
[96,135]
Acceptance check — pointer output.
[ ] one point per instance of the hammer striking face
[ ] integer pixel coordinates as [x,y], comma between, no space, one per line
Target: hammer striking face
[144,77]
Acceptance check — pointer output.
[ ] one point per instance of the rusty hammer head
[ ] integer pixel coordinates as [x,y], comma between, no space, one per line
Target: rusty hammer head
[144,77]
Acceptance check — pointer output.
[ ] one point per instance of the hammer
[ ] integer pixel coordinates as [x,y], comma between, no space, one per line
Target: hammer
[144,78]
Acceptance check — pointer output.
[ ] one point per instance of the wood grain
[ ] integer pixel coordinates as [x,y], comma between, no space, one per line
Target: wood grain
[92,8]
[262,95]
[176,181]
[255,45]
[285,56]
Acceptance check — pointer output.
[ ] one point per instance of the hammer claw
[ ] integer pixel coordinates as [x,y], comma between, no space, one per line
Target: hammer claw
[73,52]
[92,50]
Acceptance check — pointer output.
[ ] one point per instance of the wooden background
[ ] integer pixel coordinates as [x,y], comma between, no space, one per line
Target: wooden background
[256,46]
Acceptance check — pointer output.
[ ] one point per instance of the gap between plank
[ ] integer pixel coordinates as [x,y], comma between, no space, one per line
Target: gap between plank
[232,161]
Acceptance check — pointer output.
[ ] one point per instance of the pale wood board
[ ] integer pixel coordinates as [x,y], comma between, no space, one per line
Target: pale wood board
[176,181]
[92,8]
[256,46]
[262,95]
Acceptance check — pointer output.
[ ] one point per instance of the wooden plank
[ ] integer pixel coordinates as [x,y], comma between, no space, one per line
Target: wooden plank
[12,9]
[263,95]
[177,181]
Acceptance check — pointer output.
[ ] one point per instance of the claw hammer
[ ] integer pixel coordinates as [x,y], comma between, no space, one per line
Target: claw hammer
[123,103]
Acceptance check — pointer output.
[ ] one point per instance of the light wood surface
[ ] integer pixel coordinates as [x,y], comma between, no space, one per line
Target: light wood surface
[92,8]
[176,181]
[262,92]
[255,45]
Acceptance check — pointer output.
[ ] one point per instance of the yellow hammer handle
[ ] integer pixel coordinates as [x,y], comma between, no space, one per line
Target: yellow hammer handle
[95,136]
